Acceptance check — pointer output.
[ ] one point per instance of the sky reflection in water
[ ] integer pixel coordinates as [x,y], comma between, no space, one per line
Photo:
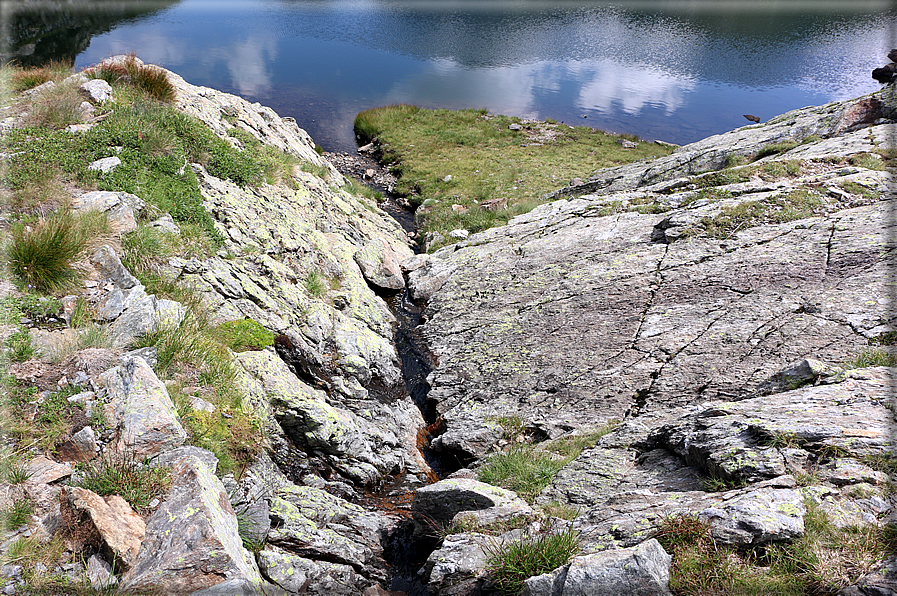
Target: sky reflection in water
[676,71]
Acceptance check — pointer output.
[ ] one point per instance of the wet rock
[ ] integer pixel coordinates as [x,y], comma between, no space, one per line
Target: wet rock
[139,409]
[643,570]
[192,541]
[121,529]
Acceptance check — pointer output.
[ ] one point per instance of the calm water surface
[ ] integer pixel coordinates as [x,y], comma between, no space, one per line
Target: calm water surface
[673,70]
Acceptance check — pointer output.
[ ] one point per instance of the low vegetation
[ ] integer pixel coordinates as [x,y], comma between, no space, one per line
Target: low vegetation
[509,564]
[469,170]
[797,204]
[137,481]
[823,560]
[527,468]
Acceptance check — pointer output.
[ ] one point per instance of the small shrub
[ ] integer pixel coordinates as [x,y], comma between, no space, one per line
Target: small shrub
[512,563]
[245,335]
[137,482]
[316,284]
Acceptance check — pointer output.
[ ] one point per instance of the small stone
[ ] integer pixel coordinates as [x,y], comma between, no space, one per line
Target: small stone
[515,127]
[370,173]
[105,165]
[459,233]
[459,208]
[627,144]
[97,91]
[447,178]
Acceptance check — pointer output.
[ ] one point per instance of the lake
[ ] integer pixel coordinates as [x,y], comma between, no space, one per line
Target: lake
[672,70]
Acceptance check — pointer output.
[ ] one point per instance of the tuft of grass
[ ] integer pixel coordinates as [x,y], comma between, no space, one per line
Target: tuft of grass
[715,484]
[523,470]
[527,469]
[316,284]
[867,160]
[21,79]
[81,315]
[19,348]
[775,149]
[466,524]
[245,335]
[56,108]
[147,78]
[560,510]
[44,257]
[510,564]
[146,249]
[137,482]
[18,514]
[486,160]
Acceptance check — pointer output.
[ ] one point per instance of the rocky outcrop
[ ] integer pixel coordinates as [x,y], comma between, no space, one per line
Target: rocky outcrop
[708,308]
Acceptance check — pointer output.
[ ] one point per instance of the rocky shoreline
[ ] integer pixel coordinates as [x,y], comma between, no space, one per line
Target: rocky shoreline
[692,324]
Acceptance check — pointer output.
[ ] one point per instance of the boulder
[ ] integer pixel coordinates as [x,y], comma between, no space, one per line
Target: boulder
[457,568]
[96,91]
[643,570]
[380,265]
[140,410]
[298,575]
[42,470]
[109,266]
[121,529]
[439,502]
[192,541]
[757,518]
[121,207]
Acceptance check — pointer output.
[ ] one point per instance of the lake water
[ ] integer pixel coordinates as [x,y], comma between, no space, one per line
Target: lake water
[671,70]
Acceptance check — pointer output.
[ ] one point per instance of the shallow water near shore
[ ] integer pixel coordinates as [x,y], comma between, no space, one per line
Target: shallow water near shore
[675,71]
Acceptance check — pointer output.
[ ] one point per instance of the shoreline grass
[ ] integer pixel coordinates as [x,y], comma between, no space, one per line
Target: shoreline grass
[474,170]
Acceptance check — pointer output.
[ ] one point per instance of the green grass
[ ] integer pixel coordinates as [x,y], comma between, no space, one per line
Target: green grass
[872,357]
[316,284]
[823,560]
[510,564]
[486,160]
[44,257]
[798,204]
[775,149]
[146,249]
[527,469]
[867,160]
[245,335]
[137,482]
[17,514]
[858,189]
[149,79]
[18,346]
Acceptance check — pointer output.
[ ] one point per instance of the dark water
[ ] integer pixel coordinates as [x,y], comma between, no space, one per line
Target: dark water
[672,70]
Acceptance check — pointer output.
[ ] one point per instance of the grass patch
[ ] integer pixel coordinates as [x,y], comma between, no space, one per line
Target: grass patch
[149,79]
[823,560]
[775,149]
[872,357]
[465,524]
[858,189]
[798,204]
[527,469]
[560,510]
[18,346]
[867,160]
[21,79]
[18,514]
[512,563]
[486,160]
[146,249]
[137,482]
[45,257]
[245,335]
[316,284]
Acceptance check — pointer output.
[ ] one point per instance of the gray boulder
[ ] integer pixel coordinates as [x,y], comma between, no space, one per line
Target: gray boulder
[439,502]
[96,91]
[139,409]
[192,541]
[643,570]
[380,265]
